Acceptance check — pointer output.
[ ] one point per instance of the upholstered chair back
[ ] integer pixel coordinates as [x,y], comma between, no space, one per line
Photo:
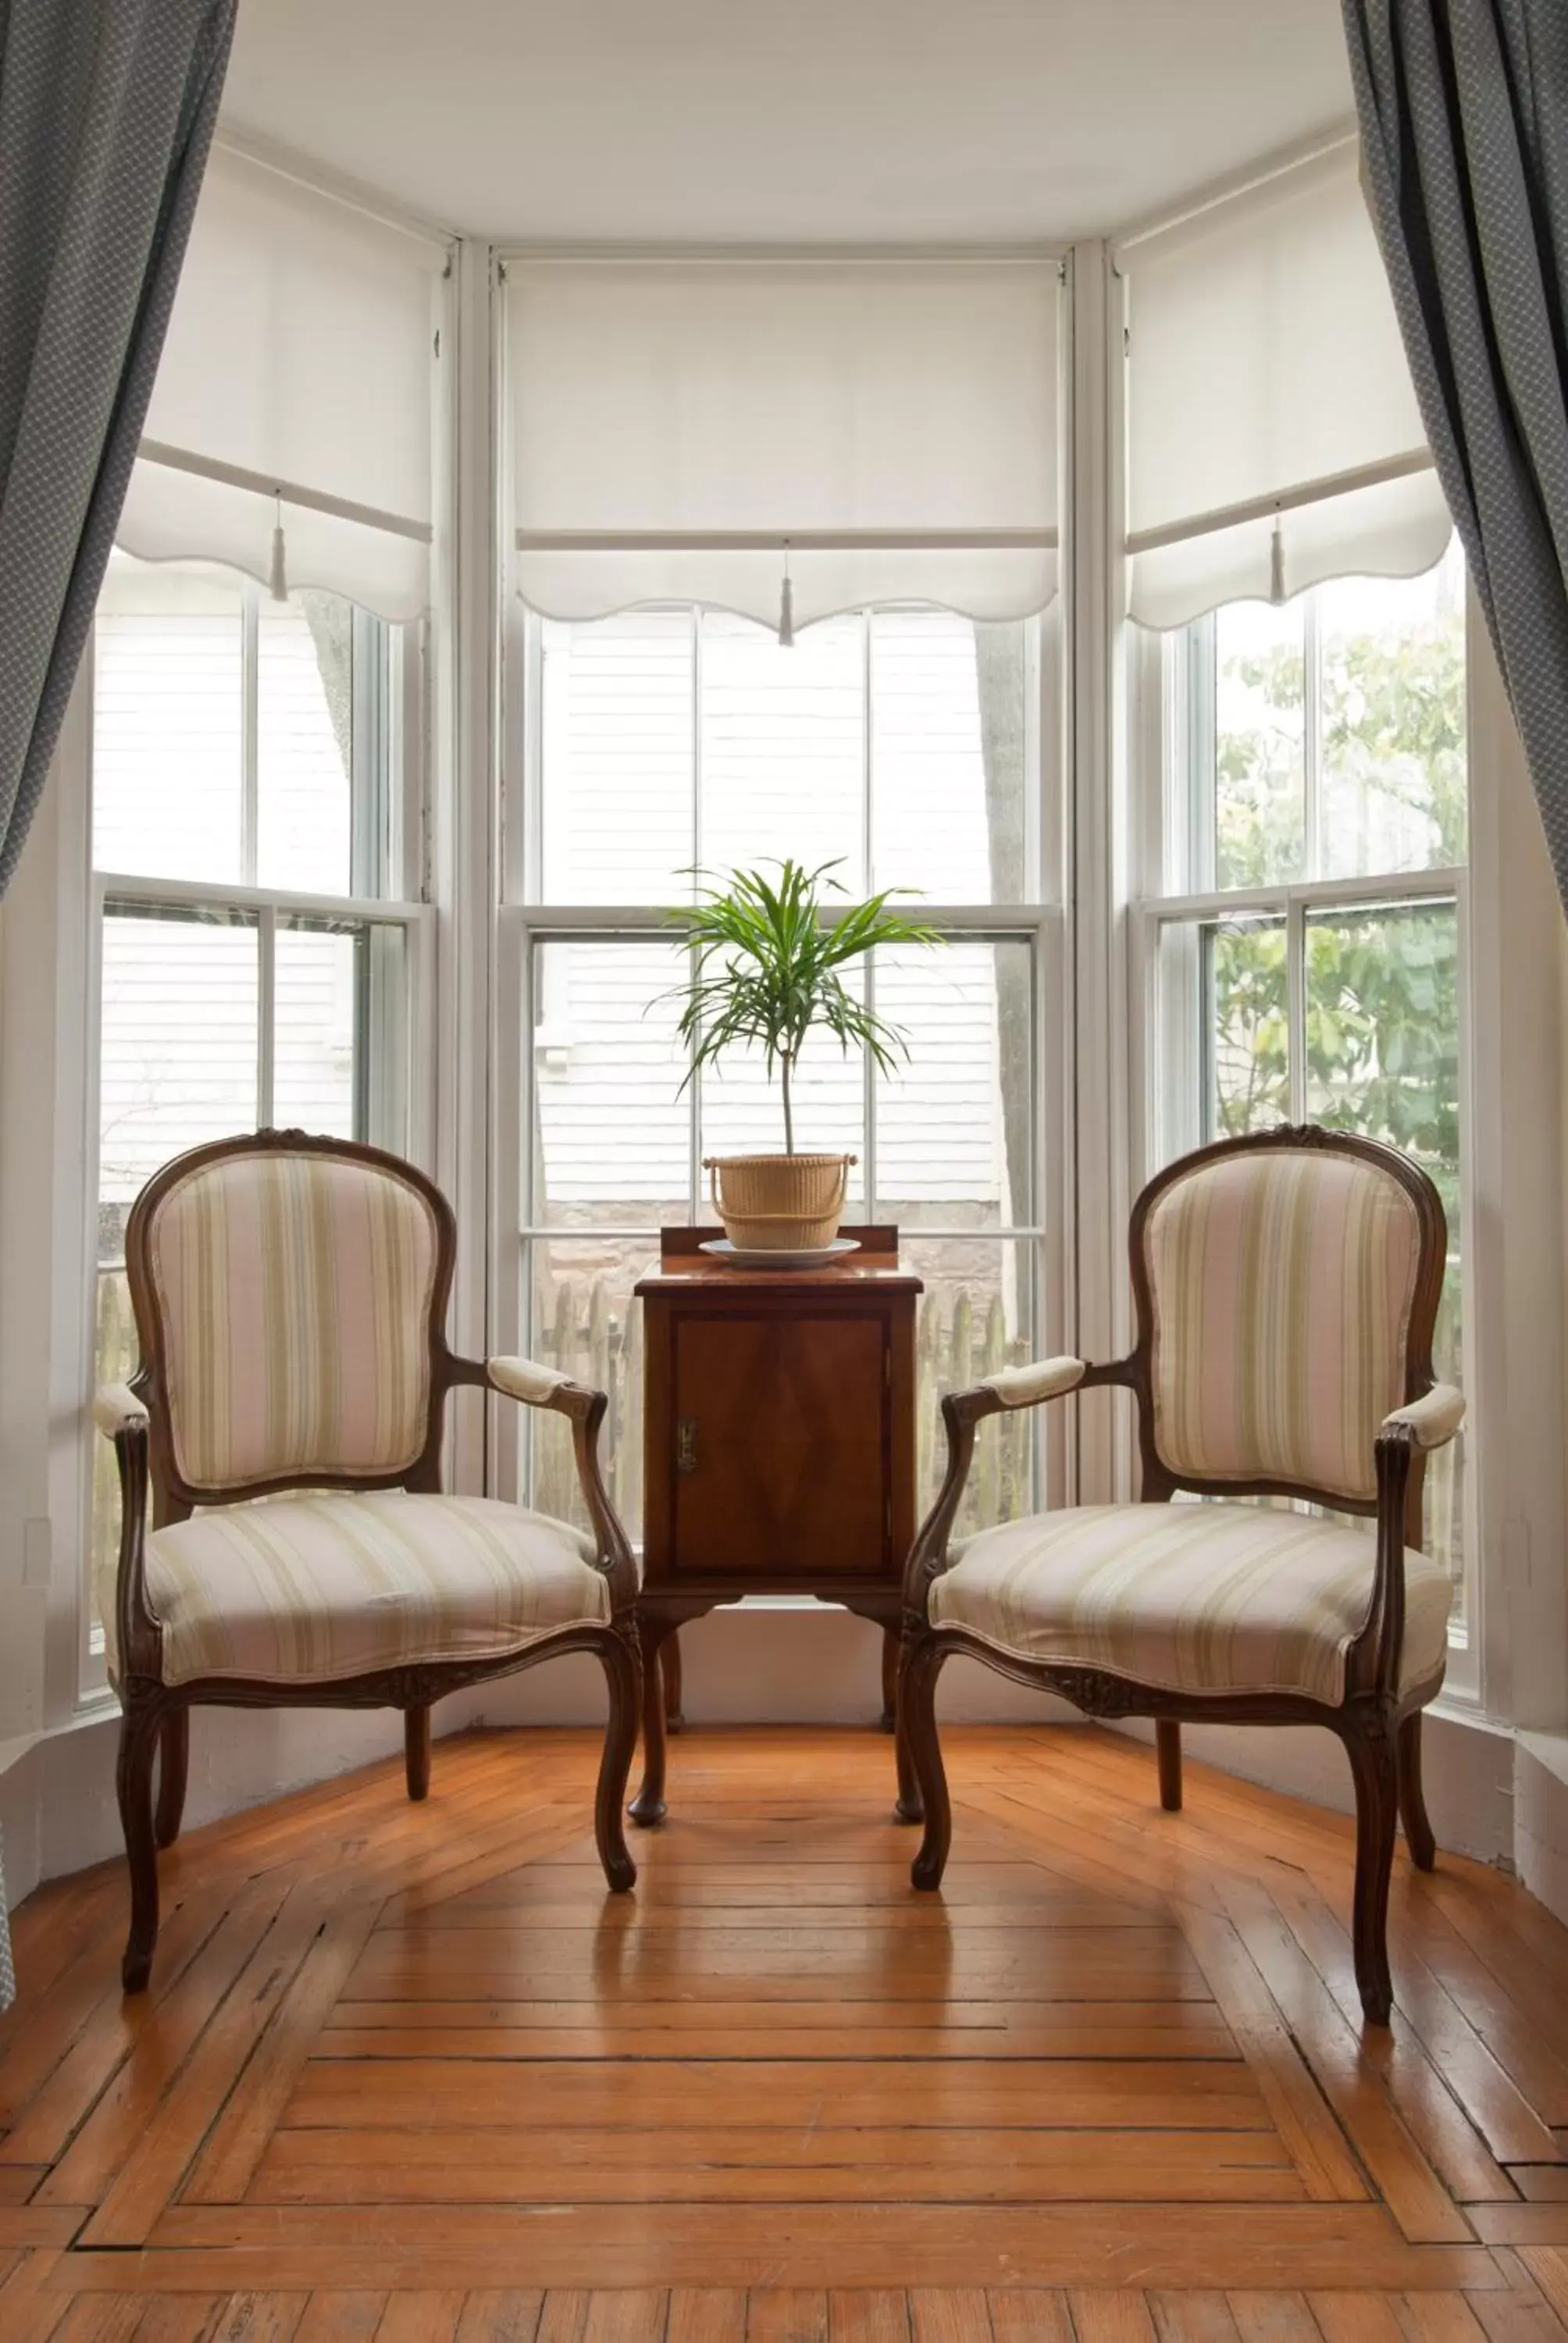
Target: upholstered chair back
[1289,1288]
[284,1299]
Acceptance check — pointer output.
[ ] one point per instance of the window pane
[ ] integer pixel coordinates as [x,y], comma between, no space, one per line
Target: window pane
[616,758]
[743,1111]
[955,1122]
[582,1319]
[1260,743]
[976,1314]
[1393,722]
[950,735]
[783,746]
[167,706]
[308,695]
[612,1136]
[1223,1033]
[340,1039]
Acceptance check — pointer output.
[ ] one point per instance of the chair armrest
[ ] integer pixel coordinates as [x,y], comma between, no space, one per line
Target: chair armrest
[116,1408]
[521,1378]
[1430,1420]
[1028,1386]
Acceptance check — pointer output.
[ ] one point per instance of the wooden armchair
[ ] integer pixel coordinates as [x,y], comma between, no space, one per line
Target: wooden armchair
[290,1297]
[1286,1289]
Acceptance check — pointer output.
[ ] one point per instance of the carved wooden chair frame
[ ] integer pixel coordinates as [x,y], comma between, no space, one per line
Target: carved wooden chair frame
[1379,1725]
[156,1720]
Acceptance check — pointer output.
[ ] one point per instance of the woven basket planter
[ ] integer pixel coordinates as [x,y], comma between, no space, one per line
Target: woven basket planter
[779,1203]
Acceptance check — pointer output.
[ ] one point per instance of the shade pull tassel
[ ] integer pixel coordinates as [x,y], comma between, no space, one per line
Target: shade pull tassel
[277,576]
[785,608]
[1277,566]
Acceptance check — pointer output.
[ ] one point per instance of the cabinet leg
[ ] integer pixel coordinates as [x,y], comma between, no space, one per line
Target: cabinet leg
[669,1662]
[891,1646]
[648,1808]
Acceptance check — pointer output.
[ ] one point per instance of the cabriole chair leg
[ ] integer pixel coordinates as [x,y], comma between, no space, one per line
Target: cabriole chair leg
[417,1751]
[921,1667]
[1168,1755]
[1418,1831]
[139,1732]
[1369,1738]
[623,1666]
[174,1769]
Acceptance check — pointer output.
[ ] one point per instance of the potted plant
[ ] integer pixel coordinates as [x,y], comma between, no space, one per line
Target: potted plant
[769,963]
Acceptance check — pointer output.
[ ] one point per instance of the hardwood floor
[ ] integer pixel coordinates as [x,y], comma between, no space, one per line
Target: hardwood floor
[408,2074]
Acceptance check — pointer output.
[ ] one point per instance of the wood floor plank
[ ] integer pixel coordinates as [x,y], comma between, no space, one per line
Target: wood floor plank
[424,2316]
[1122,2317]
[868,2315]
[1273,2316]
[1440,2318]
[1192,2317]
[778,2314]
[334,2317]
[715,2163]
[951,2314]
[707,2314]
[193,2318]
[157,2166]
[1299,2112]
[429,2096]
[1028,2313]
[234,2147]
[258,2317]
[100,2318]
[1411,2190]
[1353,2316]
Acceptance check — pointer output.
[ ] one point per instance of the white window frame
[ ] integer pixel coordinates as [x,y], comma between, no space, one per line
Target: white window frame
[411,1069]
[1161,1062]
[1041,922]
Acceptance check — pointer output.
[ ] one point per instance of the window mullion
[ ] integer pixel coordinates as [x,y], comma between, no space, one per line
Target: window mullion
[1296,1002]
[250,736]
[869,1065]
[694,1126]
[1311,740]
[266,1013]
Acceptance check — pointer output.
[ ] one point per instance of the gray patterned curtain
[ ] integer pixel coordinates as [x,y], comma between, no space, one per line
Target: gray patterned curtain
[1464,110]
[107,112]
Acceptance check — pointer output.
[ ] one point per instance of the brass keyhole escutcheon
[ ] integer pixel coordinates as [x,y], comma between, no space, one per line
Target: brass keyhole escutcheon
[686,1444]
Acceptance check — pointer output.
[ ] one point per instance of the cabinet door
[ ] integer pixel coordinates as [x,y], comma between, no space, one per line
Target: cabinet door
[781,1460]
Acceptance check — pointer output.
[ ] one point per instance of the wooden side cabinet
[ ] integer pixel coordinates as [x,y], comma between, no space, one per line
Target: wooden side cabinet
[778,1447]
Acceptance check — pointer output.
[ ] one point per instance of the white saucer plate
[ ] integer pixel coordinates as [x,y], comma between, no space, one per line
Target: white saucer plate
[749,1257]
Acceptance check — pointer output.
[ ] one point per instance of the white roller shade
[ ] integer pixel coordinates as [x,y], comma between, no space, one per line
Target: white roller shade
[1267,388]
[300,359]
[674,423]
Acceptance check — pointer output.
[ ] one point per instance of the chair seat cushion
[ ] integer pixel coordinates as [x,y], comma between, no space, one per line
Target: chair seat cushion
[307,1590]
[1193,1598]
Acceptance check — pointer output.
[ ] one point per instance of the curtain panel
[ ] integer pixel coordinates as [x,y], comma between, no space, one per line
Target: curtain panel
[1463,112]
[107,112]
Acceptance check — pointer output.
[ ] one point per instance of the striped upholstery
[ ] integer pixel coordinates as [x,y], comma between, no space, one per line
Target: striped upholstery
[1199,1598]
[295,1295]
[1282,1285]
[304,1590]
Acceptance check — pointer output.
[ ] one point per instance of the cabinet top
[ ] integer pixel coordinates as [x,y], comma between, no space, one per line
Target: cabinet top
[683,1265]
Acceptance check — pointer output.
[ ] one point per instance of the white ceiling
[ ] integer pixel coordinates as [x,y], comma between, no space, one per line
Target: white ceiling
[824,121]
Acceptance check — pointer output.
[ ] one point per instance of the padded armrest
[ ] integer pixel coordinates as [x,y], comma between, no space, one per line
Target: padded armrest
[1044,1379]
[116,1408]
[520,1379]
[1434,1418]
